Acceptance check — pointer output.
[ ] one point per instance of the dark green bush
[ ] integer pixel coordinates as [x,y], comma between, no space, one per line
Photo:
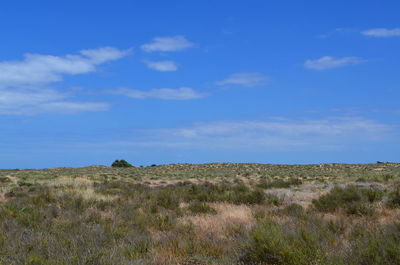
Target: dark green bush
[359,208]
[248,197]
[121,163]
[5,180]
[373,195]
[394,198]
[270,244]
[23,183]
[352,199]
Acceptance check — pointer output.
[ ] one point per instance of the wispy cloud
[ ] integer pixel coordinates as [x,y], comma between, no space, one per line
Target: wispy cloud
[382,32]
[183,93]
[35,101]
[24,85]
[326,134]
[74,107]
[162,66]
[167,44]
[337,31]
[44,69]
[329,62]
[244,79]
[105,54]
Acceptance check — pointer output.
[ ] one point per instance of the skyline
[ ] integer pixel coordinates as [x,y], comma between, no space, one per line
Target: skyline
[286,83]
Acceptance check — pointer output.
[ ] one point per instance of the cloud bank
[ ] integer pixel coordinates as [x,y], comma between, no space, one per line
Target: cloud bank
[382,32]
[25,85]
[329,62]
[334,133]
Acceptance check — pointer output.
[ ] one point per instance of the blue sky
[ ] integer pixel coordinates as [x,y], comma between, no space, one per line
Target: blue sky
[156,82]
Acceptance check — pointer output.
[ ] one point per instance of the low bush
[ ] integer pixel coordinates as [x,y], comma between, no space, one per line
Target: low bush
[278,183]
[377,245]
[270,244]
[373,195]
[352,199]
[168,198]
[5,180]
[394,198]
[23,183]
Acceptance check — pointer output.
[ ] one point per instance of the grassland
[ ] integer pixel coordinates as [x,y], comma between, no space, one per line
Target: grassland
[202,214]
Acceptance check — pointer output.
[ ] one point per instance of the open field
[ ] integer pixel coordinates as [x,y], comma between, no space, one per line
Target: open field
[202,214]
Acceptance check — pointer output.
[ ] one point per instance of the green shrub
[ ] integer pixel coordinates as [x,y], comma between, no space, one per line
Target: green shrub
[23,183]
[5,180]
[248,197]
[121,163]
[394,198]
[359,208]
[168,199]
[352,199]
[270,244]
[376,246]
[373,195]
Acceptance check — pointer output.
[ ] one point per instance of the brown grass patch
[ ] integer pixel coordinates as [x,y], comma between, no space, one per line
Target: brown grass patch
[79,186]
[227,215]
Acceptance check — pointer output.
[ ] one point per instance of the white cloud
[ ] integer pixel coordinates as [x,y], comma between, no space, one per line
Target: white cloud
[271,135]
[35,101]
[162,66]
[44,69]
[24,85]
[74,107]
[328,62]
[382,32]
[244,79]
[105,54]
[167,44]
[183,93]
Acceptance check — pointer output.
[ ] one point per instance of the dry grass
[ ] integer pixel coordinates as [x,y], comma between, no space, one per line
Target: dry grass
[78,186]
[217,224]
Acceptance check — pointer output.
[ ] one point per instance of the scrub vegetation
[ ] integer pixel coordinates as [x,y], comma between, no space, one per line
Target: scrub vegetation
[202,214]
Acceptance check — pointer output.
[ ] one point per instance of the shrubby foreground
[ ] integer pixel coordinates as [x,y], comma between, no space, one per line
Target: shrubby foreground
[205,214]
